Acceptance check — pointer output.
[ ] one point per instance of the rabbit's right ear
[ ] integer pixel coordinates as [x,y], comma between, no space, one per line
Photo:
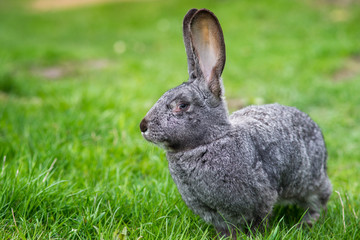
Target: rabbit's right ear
[205,48]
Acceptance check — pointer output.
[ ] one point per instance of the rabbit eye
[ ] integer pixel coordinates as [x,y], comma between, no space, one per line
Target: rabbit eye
[182,107]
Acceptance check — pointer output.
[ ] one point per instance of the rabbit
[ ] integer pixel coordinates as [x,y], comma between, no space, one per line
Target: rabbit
[232,170]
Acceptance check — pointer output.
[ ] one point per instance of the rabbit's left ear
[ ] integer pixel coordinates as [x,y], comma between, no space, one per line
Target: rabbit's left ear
[208,47]
[187,41]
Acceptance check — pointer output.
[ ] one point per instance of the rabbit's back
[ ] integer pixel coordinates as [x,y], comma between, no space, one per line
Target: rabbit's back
[289,145]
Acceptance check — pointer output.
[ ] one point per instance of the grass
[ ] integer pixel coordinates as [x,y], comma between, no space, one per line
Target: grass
[74,85]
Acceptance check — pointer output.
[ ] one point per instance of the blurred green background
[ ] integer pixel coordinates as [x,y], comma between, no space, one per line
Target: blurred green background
[76,78]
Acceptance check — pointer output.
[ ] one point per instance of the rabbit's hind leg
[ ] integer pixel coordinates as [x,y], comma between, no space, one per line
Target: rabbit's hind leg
[313,205]
[310,217]
[325,191]
[314,202]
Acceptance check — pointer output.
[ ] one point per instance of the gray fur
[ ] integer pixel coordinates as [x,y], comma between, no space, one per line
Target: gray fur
[232,170]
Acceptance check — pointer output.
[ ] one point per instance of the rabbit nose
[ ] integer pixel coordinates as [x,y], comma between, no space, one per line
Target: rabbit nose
[144,125]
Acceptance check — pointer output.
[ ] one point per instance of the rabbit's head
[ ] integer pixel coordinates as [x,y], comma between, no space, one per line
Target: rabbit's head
[195,112]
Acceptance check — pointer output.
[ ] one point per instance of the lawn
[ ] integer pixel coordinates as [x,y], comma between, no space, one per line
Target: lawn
[76,82]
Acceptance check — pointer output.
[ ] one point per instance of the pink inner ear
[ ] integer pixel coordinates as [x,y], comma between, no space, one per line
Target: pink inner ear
[205,41]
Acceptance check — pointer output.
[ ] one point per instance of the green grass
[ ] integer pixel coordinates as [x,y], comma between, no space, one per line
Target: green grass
[73,162]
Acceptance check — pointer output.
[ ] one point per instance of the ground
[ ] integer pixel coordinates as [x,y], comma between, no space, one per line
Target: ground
[75,83]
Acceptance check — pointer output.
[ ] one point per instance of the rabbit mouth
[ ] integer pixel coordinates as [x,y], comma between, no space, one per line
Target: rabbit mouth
[153,139]
[161,144]
[146,136]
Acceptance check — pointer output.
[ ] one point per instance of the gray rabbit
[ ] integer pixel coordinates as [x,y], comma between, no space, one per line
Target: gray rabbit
[232,170]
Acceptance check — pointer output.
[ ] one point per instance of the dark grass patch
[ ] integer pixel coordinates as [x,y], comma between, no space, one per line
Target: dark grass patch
[69,69]
[349,71]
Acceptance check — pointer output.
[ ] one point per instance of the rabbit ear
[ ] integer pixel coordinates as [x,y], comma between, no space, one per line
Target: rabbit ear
[208,48]
[187,40]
